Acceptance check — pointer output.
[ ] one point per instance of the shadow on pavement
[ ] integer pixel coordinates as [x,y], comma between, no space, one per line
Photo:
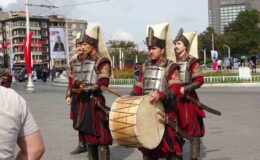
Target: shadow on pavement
[119,152]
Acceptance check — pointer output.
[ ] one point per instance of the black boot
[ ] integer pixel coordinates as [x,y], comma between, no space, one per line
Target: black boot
[174,157]
[148,158]
[80,149]
[104,152]
[93,152]
[195,149]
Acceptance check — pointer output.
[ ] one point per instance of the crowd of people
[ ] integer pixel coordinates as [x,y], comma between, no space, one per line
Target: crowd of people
[229,63]
[180,75]
[171,75]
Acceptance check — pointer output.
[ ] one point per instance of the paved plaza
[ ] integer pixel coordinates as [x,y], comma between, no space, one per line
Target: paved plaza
[233,136]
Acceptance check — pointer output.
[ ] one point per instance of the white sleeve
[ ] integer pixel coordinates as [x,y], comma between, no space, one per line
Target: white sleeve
[29,125]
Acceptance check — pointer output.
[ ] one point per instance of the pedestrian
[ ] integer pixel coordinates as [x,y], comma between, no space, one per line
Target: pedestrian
[6,78]
[91,71]
[18,127]
[161,58]
[82,146]
[53,73]
[190,115]
[214,65]
[44,75]
[136,71]
[253,62]
[242,61]
[219,63]
[34,75]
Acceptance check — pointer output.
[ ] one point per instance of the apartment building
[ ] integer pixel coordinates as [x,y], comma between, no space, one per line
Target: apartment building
[67,29]
[222,12]
[12,34]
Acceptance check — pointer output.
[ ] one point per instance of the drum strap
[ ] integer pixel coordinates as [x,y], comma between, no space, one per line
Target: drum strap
[105,109]
[178,130]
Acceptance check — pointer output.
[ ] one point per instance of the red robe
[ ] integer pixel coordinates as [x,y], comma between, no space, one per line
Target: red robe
[95,121]
[170,144]
[190,115]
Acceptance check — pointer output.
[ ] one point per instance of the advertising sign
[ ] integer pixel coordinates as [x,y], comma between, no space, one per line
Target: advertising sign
[214,55]
[57,43]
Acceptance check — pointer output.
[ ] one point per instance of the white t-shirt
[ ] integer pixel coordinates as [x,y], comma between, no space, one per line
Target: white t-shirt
[15,121]
[219,62]
[34,75]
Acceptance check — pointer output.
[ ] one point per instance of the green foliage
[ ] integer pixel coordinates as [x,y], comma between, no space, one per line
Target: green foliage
[242,35]
[205,42]
[220,73]
[245,31]
[129,49]
[124,74]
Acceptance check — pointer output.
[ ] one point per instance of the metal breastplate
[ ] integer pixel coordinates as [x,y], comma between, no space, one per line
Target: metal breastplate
[85,72]
[153,78]
[184,73]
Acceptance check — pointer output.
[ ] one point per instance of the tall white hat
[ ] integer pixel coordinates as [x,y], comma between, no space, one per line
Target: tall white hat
[94,36]
[190,40]
[160,35]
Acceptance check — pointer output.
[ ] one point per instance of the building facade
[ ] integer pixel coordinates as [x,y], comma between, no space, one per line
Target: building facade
[13,31]
[71,27]
[222,12]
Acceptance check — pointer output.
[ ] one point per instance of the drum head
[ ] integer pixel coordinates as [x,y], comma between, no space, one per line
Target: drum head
[150,123]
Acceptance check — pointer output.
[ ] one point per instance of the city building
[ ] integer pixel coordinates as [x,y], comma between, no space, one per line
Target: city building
[45,30]
[12,34]
[67,29]
[222,12]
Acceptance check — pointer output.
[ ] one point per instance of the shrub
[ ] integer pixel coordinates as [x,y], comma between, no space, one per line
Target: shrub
[124,74]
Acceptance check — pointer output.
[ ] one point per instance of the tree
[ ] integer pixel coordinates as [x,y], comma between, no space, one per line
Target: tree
[245,32]
[205,41]
[127,47]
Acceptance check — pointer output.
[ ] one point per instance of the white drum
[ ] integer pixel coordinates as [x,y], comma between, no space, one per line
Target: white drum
[135,122]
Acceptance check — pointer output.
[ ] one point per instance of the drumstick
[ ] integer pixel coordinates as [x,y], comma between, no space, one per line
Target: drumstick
[104,88]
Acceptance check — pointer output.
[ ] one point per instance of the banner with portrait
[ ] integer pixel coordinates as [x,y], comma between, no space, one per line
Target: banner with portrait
[57,43]
[214,55]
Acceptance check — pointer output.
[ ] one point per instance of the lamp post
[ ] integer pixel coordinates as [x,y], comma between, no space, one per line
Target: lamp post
[205,58]
[67,41]
[30,86]
[212,41]
[228,50]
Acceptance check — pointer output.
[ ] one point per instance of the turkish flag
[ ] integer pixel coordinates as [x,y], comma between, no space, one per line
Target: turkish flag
[27,53]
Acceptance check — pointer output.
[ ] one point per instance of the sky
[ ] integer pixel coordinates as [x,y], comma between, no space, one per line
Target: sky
[126,19]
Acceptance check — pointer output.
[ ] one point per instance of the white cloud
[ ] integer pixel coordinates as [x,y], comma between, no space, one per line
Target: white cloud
[5,3]
[120,34]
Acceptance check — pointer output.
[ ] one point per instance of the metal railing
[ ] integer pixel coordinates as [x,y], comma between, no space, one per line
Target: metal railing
[209,80]
[121,81]
[230,79]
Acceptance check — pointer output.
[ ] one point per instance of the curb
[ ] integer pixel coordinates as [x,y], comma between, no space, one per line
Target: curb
[213,85]
[232,85]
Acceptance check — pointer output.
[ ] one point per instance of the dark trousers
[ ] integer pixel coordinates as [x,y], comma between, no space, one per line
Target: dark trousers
[93,152]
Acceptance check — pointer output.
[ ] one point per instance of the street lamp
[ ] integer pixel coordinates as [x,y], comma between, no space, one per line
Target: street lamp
[228,50]
[204,52]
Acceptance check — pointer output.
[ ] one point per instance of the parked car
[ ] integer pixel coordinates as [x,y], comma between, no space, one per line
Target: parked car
[22,76]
